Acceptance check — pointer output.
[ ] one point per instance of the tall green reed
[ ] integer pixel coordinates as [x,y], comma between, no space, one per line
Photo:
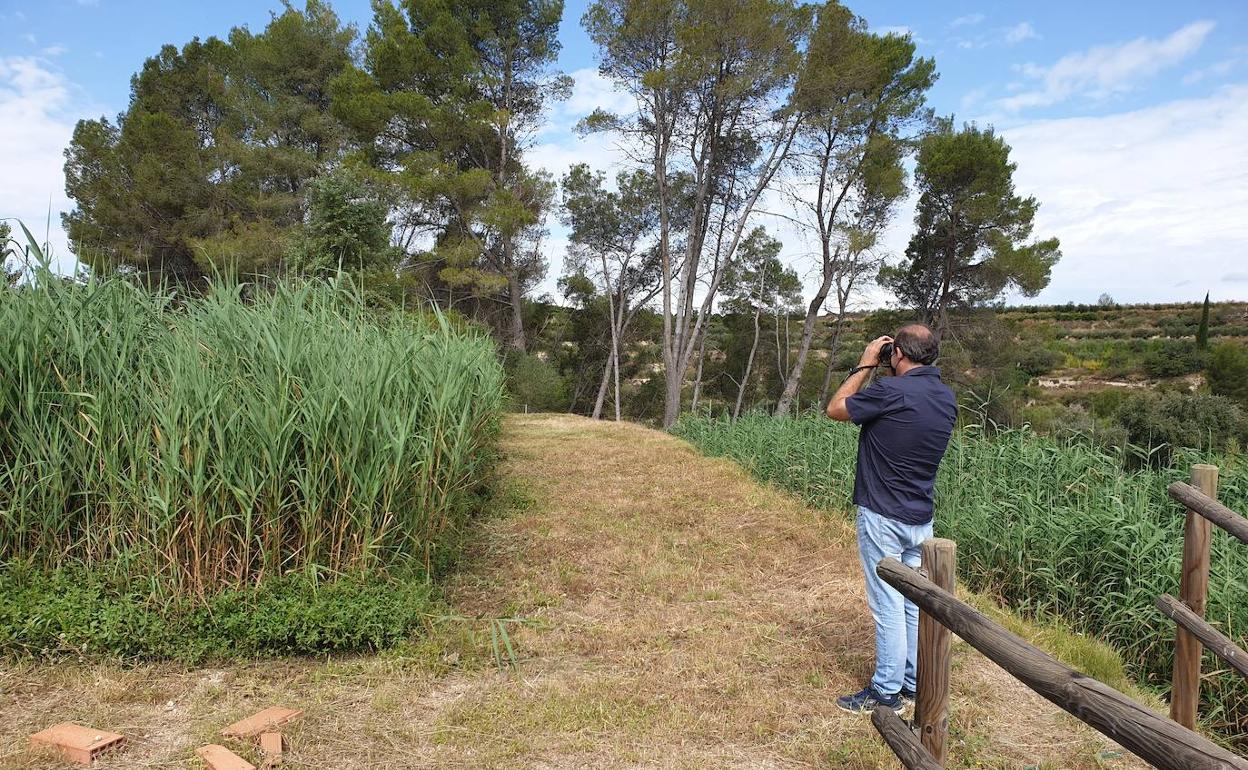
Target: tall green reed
[210,441]
[1055,528]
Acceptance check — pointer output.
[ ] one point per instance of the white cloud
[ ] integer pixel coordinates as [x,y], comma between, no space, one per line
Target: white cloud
[1141,198]
[597,150]
[1020,32]
[36,129]
[559,147]
[1145,202]
[1214,71]
[1106,69]
[593,91]
[896,29]
[55,50]
[969,20]
[973,97]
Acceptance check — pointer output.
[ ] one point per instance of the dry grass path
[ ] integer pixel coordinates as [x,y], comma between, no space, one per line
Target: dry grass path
[675,614]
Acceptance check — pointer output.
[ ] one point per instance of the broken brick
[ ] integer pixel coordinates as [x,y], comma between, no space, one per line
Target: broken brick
[260,722]
[221,758]
[77,743]
[272,745]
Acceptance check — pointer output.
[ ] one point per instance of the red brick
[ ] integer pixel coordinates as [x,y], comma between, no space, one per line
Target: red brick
[260,722]
[77,743]
[221,758]
[272,745]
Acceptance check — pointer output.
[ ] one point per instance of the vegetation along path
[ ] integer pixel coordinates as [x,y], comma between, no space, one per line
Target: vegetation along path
[675,614]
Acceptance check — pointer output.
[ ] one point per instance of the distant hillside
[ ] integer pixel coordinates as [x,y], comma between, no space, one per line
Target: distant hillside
[1175,321]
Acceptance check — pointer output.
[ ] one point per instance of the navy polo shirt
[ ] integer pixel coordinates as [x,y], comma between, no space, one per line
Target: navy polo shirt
[906,423]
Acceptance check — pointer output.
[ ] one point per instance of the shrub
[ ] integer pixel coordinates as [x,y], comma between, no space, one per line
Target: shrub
[1105,403]
[346,228]
[1036,361]
[206,441]
[75,610]
[1227,371]
[1180,419]
[535,384]
[1173,358]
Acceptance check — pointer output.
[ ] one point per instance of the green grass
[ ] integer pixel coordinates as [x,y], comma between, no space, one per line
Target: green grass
[1055,529]
[216,441]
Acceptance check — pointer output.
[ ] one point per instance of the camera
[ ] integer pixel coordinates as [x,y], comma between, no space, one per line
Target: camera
[886,354]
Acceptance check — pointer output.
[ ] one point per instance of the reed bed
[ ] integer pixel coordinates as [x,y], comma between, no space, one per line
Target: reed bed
[212,441]
[1055,528]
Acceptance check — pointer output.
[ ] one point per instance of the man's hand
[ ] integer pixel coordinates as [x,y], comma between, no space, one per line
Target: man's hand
[837,409]
[871,355]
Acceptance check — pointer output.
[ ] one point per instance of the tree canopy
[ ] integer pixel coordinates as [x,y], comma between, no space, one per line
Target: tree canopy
[207,167]
[970,243]
[443,103]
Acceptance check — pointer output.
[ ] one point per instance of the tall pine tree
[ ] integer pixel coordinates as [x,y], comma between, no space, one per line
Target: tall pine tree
[970,244]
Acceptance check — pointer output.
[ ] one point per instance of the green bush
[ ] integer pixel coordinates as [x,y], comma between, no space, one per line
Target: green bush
[1105,402]
[1036,361]
[1173,358]
[1227,371]
[1177,419]
[534,384]
[346,228]
[74,610]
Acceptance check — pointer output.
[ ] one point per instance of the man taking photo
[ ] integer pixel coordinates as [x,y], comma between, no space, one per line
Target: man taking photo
[906,422]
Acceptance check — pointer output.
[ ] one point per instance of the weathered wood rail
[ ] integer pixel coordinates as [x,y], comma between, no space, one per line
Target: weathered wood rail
[1214,640]
[897,735]
[1170,744]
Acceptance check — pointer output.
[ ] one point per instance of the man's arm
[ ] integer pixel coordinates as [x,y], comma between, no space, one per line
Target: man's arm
[855,382]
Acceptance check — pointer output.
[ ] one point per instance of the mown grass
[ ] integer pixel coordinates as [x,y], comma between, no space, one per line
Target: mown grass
[215,441]
[1056,529]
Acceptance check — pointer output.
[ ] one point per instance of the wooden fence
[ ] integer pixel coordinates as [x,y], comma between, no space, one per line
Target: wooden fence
[1170,744]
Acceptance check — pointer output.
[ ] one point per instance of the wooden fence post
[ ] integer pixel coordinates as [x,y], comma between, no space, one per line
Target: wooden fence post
[931,708]
[1193,588]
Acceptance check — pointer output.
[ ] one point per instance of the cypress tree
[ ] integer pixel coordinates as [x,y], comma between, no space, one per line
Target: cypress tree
[1202,334]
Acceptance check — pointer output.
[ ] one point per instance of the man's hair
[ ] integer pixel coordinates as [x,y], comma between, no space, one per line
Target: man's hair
[918,343]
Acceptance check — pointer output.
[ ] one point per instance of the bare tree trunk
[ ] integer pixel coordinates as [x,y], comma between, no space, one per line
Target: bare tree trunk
[614,319]
[808,333]
[775,332]
[616,360]
[681,349]
[749,363]
[517,311]
[832,351]
[602,386]
[697,381]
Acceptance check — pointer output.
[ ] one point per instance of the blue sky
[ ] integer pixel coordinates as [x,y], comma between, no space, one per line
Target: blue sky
[1128,119]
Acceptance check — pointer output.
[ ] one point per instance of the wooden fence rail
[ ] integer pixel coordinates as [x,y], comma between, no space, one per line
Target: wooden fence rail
[897,735]
[1159,741]
[1195,500]
[1214,640]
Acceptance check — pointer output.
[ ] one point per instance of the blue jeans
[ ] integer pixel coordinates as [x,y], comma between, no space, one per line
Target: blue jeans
[896,618]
